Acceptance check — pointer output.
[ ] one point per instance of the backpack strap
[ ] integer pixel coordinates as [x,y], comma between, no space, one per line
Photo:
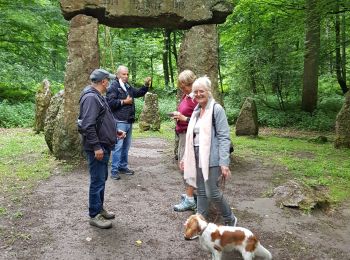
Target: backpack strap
[213,119]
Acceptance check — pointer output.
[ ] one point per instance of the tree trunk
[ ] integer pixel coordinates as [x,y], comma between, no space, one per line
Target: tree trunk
[219,68]
[133,71]
[339,59]
[170,60]
[174,46]
[251,68]
[311,56]
[165,58]
[344,46]
[110,47]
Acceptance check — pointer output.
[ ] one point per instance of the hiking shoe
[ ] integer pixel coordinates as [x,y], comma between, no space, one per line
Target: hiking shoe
[184,196]
[127,171]
[232,222]
[107,215]
[100,222]
[185,205]
[115,176]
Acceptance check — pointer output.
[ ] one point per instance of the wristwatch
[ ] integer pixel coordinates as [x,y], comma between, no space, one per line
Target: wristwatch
[188,119]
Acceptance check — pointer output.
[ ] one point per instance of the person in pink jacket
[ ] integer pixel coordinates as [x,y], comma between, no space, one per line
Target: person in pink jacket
[182,117]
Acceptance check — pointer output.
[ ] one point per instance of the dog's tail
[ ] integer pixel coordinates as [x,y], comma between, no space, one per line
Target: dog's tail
[262,252]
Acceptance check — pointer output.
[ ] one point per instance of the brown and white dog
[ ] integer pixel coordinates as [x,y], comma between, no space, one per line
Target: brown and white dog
[217,239]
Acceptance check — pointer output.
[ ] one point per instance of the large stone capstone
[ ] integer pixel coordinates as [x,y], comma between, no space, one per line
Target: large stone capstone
[175,14]
[342,125]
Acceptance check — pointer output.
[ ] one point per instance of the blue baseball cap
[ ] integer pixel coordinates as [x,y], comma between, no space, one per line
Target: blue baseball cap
[100,74]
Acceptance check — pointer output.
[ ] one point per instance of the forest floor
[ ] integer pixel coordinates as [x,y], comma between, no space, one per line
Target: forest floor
[55,222]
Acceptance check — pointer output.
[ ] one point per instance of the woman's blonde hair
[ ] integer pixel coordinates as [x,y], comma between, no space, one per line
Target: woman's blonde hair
[186,77]
[202,82]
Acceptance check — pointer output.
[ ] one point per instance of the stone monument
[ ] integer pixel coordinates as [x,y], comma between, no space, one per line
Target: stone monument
[83,57]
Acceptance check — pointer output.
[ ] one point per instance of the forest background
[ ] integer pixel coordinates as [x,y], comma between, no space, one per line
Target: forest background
[289,55]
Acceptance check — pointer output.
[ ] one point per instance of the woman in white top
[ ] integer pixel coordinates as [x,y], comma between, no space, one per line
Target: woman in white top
[207,155]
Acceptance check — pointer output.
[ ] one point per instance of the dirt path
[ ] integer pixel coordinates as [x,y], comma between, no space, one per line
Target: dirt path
[55,223]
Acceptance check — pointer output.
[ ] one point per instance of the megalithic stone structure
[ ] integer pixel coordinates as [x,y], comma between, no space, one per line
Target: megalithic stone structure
[85,15]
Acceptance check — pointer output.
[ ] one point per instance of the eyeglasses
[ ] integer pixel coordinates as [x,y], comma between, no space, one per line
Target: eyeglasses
[199,91]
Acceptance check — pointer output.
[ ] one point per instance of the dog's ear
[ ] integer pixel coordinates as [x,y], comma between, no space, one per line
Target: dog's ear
[188,220]
[200,216]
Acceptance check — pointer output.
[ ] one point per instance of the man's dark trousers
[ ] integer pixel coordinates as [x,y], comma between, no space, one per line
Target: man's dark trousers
[98,176]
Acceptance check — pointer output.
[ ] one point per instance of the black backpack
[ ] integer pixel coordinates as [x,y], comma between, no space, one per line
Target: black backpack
[100,115]
[232,148]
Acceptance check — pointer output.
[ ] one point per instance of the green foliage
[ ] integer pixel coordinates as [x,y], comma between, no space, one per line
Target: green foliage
[139,49]
[271,114]
[32,46]
[16,114]
[260,47]
[166,103]
[2,211]
[261,55]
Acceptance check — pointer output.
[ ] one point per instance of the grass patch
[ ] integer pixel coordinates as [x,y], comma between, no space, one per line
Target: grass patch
[167,131]
[25,160]
[314,164]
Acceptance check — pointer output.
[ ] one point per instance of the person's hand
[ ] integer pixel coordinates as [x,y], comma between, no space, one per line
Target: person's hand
[121,134]
[225,172]
[179,116]
[182,165]
[148,81]
[99,154]
[127,101]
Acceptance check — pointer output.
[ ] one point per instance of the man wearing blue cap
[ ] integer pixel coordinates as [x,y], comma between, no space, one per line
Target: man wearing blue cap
[96,125]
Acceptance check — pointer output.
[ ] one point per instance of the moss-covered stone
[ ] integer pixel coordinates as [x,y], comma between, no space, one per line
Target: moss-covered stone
[342,125]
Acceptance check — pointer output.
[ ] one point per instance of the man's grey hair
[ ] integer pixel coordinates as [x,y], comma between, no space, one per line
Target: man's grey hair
[121,67]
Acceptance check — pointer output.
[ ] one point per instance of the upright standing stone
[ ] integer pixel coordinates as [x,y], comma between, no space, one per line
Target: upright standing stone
[149,118]
[199,53]
[51,118]
[342,125]
[247,121]
[83,58]
[42,102]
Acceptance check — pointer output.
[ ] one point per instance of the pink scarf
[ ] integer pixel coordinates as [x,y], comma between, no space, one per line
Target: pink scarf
[204,146]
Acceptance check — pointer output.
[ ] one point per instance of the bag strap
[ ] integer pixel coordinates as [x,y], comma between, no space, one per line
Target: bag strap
[213,119]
